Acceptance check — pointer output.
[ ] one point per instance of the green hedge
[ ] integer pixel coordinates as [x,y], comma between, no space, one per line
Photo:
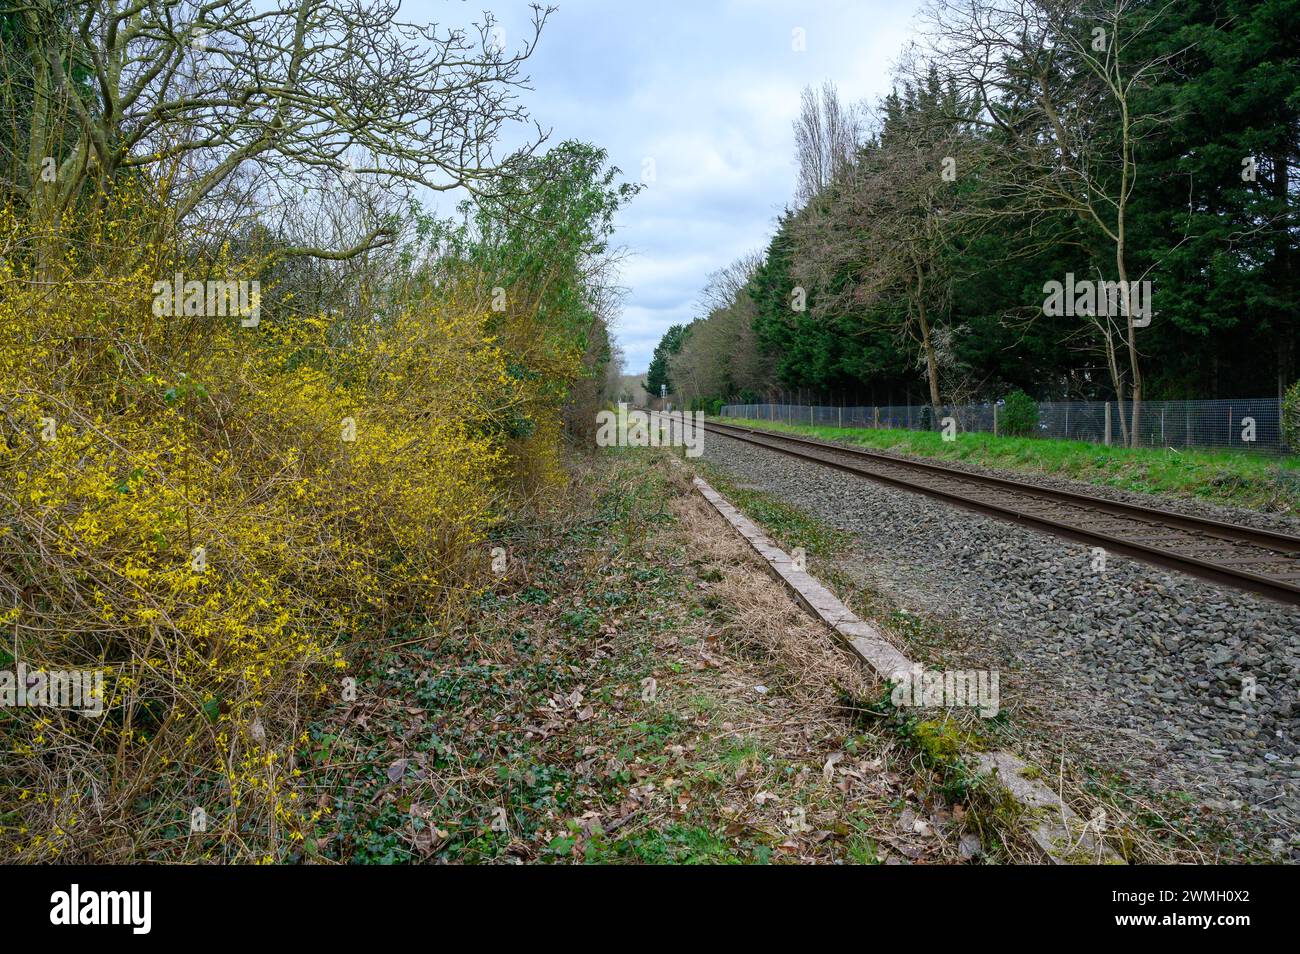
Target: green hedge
[1291,417]
[1019,416]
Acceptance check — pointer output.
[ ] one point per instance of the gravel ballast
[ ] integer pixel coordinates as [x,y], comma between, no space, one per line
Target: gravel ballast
[1141,669]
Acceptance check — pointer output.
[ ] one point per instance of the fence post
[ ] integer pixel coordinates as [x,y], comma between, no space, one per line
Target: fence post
[1162,425]
[995,419]
[841,416]
[810,415]
[1107,423]
[1067,420]
[875,417]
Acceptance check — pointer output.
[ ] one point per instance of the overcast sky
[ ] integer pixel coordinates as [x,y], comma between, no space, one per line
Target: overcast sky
[707,90]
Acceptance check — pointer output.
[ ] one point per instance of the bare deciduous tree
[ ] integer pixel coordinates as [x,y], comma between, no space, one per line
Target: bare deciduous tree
[296,92]
[882,231]
[1057,83]
[719,356]
[826,136]
[723,288]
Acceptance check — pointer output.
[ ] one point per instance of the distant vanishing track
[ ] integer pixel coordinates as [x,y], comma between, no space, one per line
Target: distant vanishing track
[1261,561]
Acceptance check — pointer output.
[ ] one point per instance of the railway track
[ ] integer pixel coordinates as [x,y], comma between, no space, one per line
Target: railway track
[1261,561]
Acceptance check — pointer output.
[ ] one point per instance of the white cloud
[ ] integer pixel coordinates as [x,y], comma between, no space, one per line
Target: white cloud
[709,91]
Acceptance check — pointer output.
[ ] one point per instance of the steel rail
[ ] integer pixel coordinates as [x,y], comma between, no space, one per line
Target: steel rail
[1232,542]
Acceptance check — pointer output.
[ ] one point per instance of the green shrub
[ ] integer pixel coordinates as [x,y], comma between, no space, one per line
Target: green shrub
[1019,415]
[1291,417]
[707,405]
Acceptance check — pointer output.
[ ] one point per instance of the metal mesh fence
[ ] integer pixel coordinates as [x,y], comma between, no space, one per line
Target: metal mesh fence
[1249,424]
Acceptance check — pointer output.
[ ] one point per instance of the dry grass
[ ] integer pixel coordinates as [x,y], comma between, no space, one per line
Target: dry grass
[759,636]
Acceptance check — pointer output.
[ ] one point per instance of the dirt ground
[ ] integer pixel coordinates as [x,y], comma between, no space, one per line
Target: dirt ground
[634,689]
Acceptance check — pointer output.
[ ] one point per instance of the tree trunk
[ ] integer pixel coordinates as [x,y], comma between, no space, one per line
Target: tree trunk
[1121,207]
[1283,265]
[927,346]
[1116,379]
[1134,363]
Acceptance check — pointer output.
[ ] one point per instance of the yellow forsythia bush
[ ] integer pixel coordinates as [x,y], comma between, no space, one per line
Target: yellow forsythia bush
[205,513]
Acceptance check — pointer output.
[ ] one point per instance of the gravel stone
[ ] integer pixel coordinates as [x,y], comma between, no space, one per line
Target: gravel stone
[1144,670]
